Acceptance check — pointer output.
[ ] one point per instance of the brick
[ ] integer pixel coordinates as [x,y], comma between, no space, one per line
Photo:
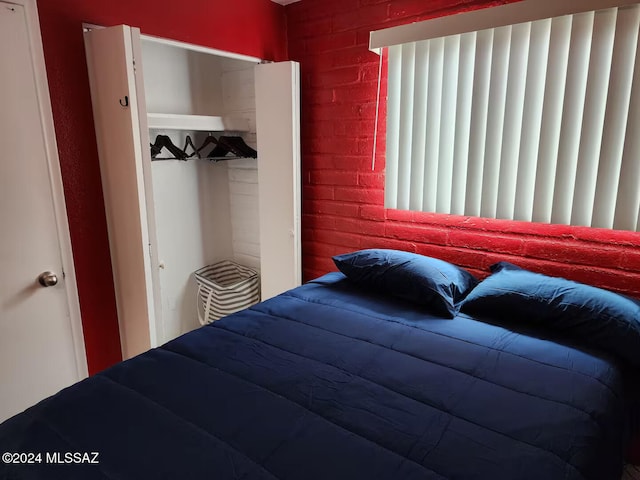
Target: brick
[603,235]
[430,250]
[354,127]
[367,110]
[331,208]
[353,56]
[314,222]
[375,180]
[365,15]
[630,260]
[342,162]
[331,42]
[333,237]
[313,161]
[299,11]
[365,145]
[370,73]
[322,128]
[442,219]
[362,92]
[336,77]
[479,241]
[319,264]
[570,252]
[332,145]
[332,177]
[379,242]
[318,192]
[310,28]
[415,8]
[400,215]
[416,233]
[360,195]
[342,111]
[373,212]
[605,278]
[357,225]
[321,249]
[332,111]
[323,62]
[307,234]
[464,258]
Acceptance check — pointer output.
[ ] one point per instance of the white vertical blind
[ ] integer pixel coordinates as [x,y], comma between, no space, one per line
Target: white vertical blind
[549,146]
[479,111]
[536,121]
[463,122]
[393,127]
[419,126]
[433,113]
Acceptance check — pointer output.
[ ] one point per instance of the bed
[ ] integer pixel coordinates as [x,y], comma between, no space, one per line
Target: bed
[334,380]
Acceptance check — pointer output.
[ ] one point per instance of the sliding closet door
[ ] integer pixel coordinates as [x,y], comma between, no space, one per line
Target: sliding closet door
[278,129]
[120,121]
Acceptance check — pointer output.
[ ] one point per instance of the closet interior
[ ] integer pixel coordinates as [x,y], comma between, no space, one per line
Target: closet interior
[190,108]
[205,210]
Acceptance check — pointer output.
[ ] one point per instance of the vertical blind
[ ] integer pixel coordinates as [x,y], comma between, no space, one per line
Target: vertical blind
[538,121]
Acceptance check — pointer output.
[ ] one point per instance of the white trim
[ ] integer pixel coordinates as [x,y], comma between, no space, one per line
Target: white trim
[187,46]
[204,123]
[53,162]
[510,14]
[199,48]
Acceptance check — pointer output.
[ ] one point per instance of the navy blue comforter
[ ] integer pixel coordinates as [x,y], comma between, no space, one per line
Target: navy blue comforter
[328,382]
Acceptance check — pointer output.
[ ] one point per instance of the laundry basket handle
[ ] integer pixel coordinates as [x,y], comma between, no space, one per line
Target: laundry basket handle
[203,316]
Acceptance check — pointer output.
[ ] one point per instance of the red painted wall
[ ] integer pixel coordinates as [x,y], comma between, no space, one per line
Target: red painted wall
[252,27]
[343,198]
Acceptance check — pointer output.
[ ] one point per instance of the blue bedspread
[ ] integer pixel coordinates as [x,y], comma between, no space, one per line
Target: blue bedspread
[328,382]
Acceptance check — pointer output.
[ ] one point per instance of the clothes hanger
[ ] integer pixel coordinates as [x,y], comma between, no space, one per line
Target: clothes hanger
[189,143]
[163,141]
[219,151]
[207,141]
[238,146]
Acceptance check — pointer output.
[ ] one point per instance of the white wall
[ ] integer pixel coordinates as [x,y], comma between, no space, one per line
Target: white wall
[181,81]
[238,98]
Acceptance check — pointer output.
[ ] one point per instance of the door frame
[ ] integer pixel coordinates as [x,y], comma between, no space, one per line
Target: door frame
[55,179]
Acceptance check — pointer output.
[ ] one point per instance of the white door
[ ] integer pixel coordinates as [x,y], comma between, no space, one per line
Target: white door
[41,348]
[120,118]
[278,128]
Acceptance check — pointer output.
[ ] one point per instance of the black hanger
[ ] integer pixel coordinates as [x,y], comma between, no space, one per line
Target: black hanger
[219,152]
[238,146]
[207,141]
[189,143]
[163,141]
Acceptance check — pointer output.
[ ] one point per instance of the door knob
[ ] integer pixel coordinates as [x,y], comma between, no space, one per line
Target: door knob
[48,279]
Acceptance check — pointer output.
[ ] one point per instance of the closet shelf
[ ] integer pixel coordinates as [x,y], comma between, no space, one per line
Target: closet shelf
[205,123]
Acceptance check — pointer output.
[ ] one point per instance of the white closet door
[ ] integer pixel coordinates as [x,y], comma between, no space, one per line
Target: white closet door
[120,121]
[278,129]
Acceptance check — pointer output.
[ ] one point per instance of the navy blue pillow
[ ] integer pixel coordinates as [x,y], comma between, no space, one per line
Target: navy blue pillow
[424,280]
[601,318]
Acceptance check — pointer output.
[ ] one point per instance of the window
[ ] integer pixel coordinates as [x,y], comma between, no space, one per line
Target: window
[535,121]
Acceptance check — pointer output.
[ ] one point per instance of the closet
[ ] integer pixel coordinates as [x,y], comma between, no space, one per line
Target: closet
[168,217]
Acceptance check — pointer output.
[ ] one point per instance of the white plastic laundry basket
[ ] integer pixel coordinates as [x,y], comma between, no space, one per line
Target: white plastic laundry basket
[224,288]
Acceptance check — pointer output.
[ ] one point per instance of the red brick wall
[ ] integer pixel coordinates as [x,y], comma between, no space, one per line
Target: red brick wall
[343,198]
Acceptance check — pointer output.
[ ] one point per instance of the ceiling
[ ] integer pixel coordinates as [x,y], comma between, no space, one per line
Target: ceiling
[285,2]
